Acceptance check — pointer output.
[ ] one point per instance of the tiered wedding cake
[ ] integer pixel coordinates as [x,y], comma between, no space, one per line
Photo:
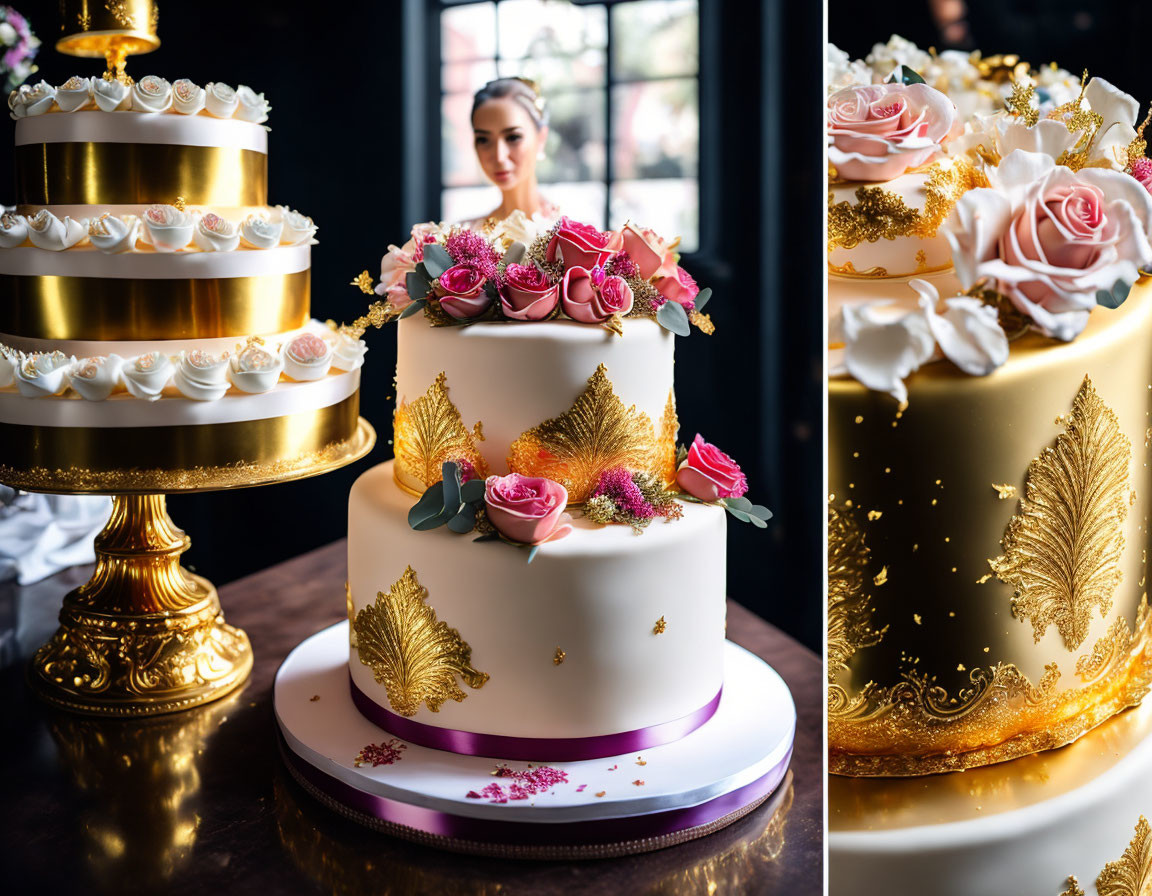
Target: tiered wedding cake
[156,314]
[990,490]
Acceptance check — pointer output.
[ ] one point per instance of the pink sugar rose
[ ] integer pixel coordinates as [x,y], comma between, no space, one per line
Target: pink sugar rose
[679,286]
[1049,238]
[464,296]
[592,298]
[527,509]
[582,245]
[876,132]
[709,474]
[648,250]
[527,294]
[1142,171]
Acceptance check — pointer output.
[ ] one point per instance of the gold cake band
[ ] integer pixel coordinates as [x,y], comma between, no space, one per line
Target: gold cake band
[73,456]
[110,310]
[139,174]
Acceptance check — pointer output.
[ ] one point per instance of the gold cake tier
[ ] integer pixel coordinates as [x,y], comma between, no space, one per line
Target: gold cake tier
[157,459]
[107,309]
[988,553]
[88,173]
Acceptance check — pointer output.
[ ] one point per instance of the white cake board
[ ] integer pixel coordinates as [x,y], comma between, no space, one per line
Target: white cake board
[691,787]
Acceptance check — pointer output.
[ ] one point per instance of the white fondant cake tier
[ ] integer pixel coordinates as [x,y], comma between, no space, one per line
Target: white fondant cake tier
[190,264]
[1019,828]
[126,127]
[891,256]
[596,595]
[513,376]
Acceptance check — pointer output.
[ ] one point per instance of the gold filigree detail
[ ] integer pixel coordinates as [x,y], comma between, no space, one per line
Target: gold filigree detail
[849,608]
[918,727]
[881,214]
[1078,119]
[701,322]
[849,270]
[1131,874]
[181,204]
[121,13]
[921,261]
[558,657]
[669,432]
[363,282]
[1021,102]
[596,434]
[660,626]
[378,314]
[412,653]
[1062,549]
[429,431]
[84,18]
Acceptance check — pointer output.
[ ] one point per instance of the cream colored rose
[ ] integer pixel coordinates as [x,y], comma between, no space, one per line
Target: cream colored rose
[74,94]
[43,374]
[260,233]
[151,94]
[251,106]
[111,96]
[254,368]
[220,100]
[114,235]
[26,101]
[214,234]
[297,228]
[187,97]
[13,230]
[201,375]
[147,375]
[167,228]
[49,232]
[94,379]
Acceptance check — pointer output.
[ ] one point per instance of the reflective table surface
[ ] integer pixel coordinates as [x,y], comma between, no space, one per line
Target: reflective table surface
[198,802]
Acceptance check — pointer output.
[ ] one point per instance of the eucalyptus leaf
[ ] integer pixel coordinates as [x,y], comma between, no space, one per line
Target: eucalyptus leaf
[435,522]
[905,75]
[532,552]
[739,514]
[757,522]
[451,487]
[672,316]
[417,285]
[472,491]
[429,505]
[702,298]
[414,308]
[759,510]
[464,521]
[739,503]
[436,260]
[1114,297]
[515,253]
[488,536]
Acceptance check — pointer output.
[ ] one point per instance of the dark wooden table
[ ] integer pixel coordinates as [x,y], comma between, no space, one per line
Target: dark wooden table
[198,802]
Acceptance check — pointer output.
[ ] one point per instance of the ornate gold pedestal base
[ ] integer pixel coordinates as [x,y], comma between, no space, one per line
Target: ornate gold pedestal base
[143,636]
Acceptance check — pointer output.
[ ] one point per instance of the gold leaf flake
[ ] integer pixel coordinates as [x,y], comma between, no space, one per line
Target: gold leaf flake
[363,281]
[428,432]
[849,270]
[596,434]
[558,657]
[702,322]
[660,626]
[874,515]
[1073,887]
[412,653]
[1020,102]
[1131,874]
[1062,549]
[1005,491]
[669,431]
[881,577]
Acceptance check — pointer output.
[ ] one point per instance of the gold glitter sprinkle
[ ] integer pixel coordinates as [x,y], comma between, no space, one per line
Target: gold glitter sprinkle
[887,469]
[601,793]
[313,698]
[874,515]
[933,502]
[180,203]
[558,657]
[660,626]
[640,761]
[1006,491]
[916,618]
[638,782]
[881,577]
[363,281]
[960,667]
[859,418]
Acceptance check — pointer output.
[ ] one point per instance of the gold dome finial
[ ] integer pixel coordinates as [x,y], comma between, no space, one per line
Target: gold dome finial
[112,29]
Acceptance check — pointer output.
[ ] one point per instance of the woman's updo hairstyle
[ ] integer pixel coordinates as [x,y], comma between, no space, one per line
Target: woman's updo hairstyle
[523,91]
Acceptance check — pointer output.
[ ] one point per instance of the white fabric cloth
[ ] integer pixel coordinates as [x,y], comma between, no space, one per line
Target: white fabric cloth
[43,534]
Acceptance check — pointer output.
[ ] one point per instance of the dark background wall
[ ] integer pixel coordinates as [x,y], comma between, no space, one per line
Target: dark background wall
[354,132]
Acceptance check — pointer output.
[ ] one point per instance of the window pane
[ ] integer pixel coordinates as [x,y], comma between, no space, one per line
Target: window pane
[543,28]
[656,129]
[582,201]
[669,39]
[575,149]
[466,77]
[670,207]
[467,203]
[585,69]
[458,164]
[468,32]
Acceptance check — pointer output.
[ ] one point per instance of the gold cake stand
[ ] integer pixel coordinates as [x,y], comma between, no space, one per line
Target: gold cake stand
[144,636]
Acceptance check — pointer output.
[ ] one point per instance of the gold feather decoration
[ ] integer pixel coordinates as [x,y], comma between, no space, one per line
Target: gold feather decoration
[669,431]
[428,432]
[849,610]
[596,434]
[1062,549]
[412,653]
[1131,874]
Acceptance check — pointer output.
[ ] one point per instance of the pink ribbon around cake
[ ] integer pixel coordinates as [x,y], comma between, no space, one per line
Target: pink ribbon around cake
[544,749]
[608,830]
